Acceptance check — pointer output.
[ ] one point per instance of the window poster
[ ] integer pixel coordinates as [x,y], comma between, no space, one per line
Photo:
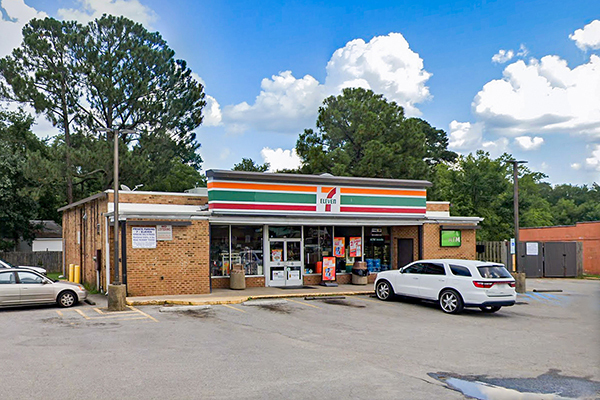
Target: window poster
[355,247]
[328,272]
[339,246]
[143,238]
[276,255]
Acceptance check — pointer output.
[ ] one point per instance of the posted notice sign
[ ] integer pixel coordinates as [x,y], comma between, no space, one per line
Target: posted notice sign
[143,238]
[164,232]
[328,272]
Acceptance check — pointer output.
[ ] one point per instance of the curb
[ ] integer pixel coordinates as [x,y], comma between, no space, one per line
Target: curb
[239,300]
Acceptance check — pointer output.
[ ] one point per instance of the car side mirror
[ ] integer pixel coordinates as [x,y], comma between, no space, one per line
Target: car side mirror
[402,271]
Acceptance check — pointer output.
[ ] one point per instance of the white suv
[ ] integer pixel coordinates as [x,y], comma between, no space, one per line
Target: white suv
[454,284]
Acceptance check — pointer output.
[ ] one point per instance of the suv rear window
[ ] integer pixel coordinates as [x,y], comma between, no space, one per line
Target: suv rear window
[494,271]
[459,270]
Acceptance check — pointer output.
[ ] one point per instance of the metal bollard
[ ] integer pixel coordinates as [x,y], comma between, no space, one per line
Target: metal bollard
[77,274]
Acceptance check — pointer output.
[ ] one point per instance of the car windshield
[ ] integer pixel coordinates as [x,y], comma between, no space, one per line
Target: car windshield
[493,271]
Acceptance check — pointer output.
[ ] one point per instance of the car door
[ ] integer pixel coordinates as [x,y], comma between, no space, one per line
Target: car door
[9,290]
[407,280]
[33,288]
[432,280]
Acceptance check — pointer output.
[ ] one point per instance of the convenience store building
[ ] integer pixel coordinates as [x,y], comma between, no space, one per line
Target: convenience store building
[279,227]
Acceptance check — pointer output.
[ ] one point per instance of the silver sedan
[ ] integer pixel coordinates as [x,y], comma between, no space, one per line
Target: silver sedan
[19,287]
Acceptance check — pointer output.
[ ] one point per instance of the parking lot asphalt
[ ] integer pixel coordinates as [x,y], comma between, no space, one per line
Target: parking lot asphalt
[352,347]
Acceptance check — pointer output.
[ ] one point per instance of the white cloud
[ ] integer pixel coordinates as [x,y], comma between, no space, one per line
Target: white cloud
[576,166]
[18,14]
[528,143]
[279,159]
[593,162]
[542,96]
[386,65]
[92,9]
[285,104]
[212,109]
[588,37]
[211,112]
[496,147]
[503,56]
[465,136]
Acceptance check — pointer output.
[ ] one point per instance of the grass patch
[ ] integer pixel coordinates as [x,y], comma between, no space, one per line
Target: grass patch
[88,287]
[54,275]
[591,276]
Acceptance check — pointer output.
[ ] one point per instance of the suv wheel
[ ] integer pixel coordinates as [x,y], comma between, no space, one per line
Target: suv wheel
[384,290]
[451,302]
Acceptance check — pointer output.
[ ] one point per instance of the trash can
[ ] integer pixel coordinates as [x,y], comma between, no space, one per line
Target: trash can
[360,273]
[237,277]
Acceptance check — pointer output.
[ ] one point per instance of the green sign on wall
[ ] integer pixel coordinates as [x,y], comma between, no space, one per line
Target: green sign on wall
[450,238]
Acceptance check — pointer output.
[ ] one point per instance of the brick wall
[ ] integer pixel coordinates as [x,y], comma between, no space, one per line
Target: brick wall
[432,249]
[83,235]
[178,266]
[438,206]
[404,232]
[586,232]
[149,198]
[223,282]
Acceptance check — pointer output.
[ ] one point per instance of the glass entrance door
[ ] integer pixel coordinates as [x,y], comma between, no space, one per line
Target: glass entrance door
[285,264]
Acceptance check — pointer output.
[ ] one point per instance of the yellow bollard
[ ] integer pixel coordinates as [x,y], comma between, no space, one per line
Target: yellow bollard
[77,274]
[71,271]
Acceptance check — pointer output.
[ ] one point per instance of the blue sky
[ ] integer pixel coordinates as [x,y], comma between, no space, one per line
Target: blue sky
[268,65]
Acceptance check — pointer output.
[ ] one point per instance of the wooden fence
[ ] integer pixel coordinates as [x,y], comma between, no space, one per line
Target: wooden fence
[493,251]
[50,260]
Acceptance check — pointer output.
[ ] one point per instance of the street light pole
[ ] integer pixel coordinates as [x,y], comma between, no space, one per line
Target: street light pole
[515,163]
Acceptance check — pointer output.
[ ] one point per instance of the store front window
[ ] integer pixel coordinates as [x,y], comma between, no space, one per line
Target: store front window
[347,247]
[317,244]
[377,248]
[246,248]
[285,232]
[219,250]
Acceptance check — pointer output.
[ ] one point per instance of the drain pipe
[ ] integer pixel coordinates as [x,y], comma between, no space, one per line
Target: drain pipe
[107,252]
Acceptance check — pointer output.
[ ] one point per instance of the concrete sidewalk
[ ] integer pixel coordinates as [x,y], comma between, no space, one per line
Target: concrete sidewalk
[228,296]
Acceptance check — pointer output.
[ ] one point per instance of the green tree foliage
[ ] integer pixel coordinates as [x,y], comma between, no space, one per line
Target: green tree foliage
[360,133]
[477,185]
[24,187]
[43,73]
[115,74]
[249,165]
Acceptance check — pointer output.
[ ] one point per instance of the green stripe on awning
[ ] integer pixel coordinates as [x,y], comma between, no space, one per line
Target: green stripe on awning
[261,197]
[383,201]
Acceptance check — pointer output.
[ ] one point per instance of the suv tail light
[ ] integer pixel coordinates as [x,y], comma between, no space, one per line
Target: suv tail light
[512,284]
[485,285]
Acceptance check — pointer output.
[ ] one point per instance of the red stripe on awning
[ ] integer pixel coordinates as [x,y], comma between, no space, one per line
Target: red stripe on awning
[387,210]
[276,207]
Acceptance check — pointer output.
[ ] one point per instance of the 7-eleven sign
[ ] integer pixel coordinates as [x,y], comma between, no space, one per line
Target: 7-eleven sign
[328,199]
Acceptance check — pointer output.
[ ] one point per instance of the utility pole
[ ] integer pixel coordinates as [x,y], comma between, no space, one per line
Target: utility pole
[116,291]
[519,268]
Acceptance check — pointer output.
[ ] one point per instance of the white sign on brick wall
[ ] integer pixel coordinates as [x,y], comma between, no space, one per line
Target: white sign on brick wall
[143,238]
[164,232]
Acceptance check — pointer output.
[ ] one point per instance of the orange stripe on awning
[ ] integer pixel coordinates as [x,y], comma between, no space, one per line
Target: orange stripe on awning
[261,186]
[390,192]
[326,189]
